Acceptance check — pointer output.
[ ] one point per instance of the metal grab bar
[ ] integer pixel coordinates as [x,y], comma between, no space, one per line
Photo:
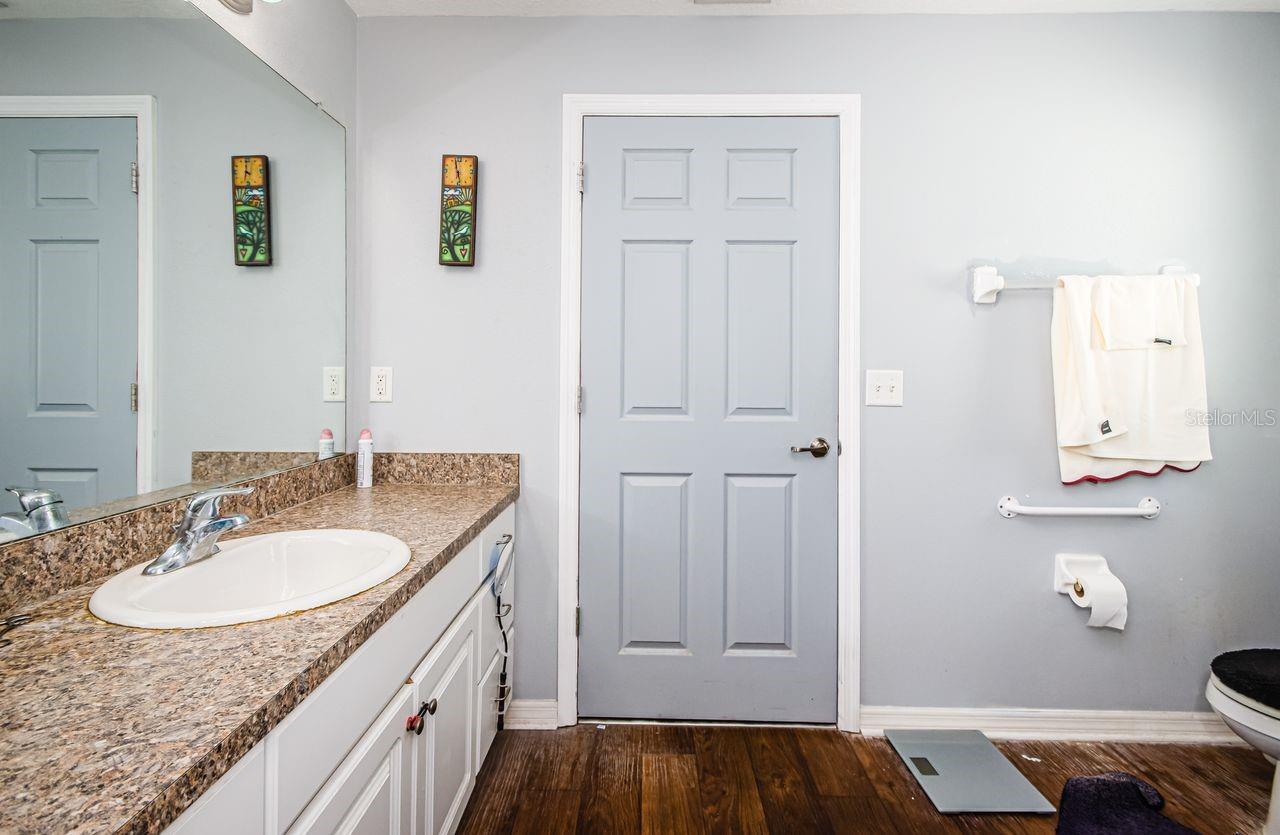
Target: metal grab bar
[1009,507]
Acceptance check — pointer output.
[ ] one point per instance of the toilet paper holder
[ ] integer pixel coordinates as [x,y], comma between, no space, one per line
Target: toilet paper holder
[1072,571]
[1067,569]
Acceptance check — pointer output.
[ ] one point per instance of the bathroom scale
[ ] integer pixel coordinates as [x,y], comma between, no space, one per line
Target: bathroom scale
[961,771]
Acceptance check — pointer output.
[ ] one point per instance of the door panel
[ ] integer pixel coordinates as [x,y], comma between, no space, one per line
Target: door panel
[709,349]
[68,307]
[655,558]
[66,334]
[761,309]
[656,179]
[78,488]
[759,562]
[761,179]
[655,328]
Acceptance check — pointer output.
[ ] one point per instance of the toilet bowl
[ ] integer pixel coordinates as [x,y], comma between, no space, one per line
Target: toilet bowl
[1244,689]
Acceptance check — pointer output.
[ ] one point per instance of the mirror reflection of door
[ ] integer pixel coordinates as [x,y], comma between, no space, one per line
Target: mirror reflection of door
[68,307]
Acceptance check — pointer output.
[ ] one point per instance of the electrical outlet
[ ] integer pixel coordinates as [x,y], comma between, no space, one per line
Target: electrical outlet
[335,384]
[380,384]
[884,388]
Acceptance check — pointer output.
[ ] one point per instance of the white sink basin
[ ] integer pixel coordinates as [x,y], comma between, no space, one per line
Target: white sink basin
[253,578]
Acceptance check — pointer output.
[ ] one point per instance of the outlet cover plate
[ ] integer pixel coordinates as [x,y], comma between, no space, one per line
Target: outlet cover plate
[884,388]
[380,384]
[335,384]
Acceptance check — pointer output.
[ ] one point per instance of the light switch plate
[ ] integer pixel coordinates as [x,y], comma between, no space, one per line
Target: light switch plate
[380,384]
[335,384]
[884,388]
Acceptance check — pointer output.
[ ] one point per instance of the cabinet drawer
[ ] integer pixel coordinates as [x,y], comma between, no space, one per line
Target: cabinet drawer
[446,747]
[371,791]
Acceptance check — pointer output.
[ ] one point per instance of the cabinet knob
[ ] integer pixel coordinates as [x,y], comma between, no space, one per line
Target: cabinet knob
[418,721]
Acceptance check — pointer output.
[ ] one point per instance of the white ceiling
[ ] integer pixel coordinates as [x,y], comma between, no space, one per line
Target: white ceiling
[20,9]
[553,8]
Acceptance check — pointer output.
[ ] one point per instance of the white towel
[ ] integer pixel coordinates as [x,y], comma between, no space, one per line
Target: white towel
[1136,312]
[1128,371]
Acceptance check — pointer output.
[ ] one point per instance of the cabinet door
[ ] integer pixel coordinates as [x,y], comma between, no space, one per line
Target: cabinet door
[446,747]
[488,696]
[370,793]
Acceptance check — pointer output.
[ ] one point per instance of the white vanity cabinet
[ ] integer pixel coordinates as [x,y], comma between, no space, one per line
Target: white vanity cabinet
[347,758]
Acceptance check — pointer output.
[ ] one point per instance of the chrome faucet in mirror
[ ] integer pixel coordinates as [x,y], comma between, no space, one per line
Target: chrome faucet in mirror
[42,510]
[198,532]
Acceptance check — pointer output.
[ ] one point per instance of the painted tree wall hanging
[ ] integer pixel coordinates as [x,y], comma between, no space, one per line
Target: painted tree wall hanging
[251,208]
[458,179]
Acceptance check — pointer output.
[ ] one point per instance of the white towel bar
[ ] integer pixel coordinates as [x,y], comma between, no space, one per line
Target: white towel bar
[1009,507]
[987,283]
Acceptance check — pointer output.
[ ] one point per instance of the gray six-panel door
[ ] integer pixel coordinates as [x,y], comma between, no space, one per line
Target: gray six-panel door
[709,350]
[68,307]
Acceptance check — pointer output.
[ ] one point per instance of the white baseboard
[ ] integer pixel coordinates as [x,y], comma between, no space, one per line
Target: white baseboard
[996,722]
[1066,725]
[532,714]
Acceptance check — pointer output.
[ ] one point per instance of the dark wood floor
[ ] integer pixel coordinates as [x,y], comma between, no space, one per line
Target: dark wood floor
[695,779]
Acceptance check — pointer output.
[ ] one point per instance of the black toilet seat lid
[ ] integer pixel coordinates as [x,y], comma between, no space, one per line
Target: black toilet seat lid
[1253,673]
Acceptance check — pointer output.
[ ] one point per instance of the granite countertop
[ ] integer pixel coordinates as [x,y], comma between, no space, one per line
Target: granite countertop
[105,728]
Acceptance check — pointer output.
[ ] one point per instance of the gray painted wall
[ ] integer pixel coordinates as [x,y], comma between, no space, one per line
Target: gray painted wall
[311,44]
[240,350]
[1044,143]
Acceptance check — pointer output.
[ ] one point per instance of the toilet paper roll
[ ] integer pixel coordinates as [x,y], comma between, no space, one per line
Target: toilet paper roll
[1105,596]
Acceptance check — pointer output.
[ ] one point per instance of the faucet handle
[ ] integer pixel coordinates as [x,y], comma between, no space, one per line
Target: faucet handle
[33,498]
[206,504]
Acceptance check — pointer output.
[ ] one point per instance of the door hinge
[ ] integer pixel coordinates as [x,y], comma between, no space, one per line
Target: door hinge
[133,177]
[577,622]
[133,397]
[582,178]
[580,396]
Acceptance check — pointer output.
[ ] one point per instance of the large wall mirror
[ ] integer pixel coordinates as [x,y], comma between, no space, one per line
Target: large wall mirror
[152,344]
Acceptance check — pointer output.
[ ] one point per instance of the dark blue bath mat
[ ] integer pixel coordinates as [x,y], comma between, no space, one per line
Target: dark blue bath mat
[1114,803]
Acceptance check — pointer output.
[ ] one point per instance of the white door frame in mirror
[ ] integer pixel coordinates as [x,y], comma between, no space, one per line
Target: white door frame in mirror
[845,107]
[143,109]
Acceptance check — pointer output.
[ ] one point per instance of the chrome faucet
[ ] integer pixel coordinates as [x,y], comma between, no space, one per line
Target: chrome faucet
[198,532]
[42,510]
